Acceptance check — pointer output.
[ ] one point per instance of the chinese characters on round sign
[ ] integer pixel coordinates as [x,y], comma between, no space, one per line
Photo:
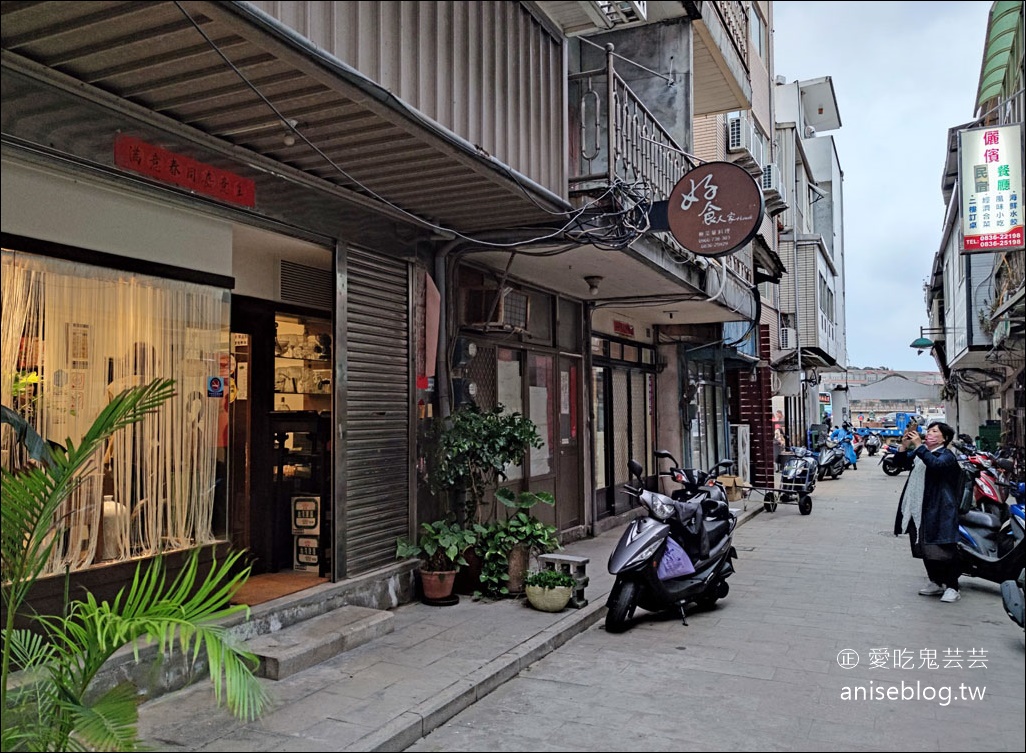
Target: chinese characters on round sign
[715,209]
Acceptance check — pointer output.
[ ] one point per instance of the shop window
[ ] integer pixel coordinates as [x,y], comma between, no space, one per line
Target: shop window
[510,389]
[569,338]
[541,373]
[80,334]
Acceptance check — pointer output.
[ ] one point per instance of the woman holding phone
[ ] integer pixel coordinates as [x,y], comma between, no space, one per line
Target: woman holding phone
[928,509]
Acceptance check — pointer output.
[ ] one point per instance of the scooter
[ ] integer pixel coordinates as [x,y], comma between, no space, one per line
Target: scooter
[990,549]
[888,463]
[872,442]
[1013,600]
[831,460]
[680,553]
[849,442]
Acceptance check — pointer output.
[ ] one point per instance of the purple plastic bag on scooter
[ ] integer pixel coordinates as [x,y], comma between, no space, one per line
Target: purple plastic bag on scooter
[675,562]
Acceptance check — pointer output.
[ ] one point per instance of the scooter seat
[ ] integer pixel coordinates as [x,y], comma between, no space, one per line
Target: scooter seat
[716,529]
[981,519]
[715,509]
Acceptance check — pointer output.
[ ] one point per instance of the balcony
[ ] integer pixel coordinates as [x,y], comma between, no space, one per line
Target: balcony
[616,141]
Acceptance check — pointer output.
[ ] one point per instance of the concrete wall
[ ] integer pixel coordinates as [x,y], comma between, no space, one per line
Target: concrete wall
[53,206]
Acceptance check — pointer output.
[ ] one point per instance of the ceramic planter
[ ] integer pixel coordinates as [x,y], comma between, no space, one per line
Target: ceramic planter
[549,599]
[437,585]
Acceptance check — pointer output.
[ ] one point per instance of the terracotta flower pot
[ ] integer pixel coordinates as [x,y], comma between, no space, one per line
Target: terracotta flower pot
[549,599]
[438,584]
[518,560]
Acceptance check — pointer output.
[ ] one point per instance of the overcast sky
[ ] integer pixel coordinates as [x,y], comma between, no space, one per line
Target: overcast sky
[903,73]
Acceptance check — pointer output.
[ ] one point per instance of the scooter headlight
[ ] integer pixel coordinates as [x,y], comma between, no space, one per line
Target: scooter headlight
[649,551]
[661,507]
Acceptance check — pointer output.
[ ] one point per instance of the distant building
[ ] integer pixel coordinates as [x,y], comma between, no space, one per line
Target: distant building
[861,377]
[893,394]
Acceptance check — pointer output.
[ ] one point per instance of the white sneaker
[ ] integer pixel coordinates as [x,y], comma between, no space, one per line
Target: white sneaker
[932,589]
[951,595]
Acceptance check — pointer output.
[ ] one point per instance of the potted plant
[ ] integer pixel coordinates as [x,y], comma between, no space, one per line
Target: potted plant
[471,450]
[525,533]
[440,548]
[469,454]
[549,590]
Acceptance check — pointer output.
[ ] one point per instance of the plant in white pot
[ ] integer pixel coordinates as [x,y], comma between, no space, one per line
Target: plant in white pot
[549,590]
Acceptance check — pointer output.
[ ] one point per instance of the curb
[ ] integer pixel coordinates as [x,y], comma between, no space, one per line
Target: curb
[410,726]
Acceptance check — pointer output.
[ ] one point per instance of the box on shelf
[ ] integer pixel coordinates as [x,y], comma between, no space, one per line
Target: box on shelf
[306,558]
[306,515]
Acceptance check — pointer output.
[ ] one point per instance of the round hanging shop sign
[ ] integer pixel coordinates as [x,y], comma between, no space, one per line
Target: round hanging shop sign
[715,209]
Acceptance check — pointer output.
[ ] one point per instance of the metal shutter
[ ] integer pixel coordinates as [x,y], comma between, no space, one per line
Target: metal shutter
[377,411]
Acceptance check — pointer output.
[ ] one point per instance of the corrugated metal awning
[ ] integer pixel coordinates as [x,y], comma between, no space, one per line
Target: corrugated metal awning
[1005,19]
[230,72]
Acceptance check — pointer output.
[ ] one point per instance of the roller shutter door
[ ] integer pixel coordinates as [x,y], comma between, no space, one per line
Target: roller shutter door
[377,411]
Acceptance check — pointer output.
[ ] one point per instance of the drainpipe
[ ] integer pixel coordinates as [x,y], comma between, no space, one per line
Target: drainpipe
[442,351]
[441,276]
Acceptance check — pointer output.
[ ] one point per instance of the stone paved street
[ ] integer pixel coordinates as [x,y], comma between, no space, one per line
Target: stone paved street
[760,672]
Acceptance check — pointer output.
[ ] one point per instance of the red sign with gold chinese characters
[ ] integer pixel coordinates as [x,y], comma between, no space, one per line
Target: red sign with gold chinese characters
[160,164]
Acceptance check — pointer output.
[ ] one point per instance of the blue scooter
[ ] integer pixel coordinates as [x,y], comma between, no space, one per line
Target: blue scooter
[992,548]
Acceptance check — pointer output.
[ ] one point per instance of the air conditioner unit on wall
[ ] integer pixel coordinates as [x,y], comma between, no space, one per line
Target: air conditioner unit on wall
[737,135]
[788,338]
[770,178]
[494,308]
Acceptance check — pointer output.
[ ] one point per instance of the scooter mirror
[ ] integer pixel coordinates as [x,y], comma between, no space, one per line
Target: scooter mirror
[665,455]
[635,468]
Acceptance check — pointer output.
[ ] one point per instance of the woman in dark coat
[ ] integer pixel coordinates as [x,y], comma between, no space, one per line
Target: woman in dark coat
[928,510]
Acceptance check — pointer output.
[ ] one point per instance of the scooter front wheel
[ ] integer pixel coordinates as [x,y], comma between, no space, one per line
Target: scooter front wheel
[623,600]
[891,469]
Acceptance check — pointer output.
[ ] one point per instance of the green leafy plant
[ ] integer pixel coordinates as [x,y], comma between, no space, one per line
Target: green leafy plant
[48,700]
[493,547]
[549,579]
[440,546]
[520,528]
[524,528]
[471,450]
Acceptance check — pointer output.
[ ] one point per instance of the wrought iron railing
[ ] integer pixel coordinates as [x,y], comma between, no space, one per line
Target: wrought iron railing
[614,137]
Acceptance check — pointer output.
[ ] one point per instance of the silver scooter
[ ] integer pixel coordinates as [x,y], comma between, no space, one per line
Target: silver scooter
[680,553]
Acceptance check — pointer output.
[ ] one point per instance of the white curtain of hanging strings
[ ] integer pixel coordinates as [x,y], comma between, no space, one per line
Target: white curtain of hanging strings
[89,333]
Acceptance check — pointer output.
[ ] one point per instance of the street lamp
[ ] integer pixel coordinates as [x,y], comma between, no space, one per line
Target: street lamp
[923,342]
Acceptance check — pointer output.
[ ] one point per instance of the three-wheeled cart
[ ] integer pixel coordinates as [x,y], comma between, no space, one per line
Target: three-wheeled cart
[797,480]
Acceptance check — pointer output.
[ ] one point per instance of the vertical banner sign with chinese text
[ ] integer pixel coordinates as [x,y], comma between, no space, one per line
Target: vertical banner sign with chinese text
[990,178]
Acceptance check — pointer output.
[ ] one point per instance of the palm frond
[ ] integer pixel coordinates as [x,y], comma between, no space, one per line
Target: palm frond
[180,614]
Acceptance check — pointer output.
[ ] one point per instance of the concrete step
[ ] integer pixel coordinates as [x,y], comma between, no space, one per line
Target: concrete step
[304,644]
